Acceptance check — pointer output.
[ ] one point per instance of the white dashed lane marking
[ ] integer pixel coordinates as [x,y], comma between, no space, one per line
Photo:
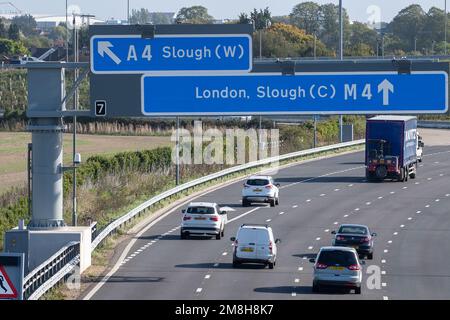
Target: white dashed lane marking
[297,280]
[395,233]
[281,213]
[385,298]
[310,248]
[318,238]
[207,276]
[198,290]
[300,268]
[294,206]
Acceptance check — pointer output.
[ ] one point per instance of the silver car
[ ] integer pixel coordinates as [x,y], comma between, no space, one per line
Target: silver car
[337,267]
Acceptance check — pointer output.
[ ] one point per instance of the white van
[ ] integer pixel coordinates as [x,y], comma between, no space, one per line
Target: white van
[255,243]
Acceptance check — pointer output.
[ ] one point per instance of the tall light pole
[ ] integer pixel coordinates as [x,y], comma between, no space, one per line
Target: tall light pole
[177,150]
[341,32]
[445,27]
[67,36]
[74,124]
[341,56]
[128,11]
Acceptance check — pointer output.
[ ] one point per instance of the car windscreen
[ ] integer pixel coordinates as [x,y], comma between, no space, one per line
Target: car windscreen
[258,182]
[353,230]
[337,257]
[200,210]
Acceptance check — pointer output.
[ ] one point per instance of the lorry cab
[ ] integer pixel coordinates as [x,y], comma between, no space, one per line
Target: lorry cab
[391,148]
[420,145]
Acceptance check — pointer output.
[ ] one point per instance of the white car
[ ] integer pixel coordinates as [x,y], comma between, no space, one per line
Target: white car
[260,189]
[254,243]
[203,219]
[337,267]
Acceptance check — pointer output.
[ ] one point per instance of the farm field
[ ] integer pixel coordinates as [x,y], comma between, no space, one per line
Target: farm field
[13,151]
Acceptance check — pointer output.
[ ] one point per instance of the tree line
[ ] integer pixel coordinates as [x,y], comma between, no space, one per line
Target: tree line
[310,29]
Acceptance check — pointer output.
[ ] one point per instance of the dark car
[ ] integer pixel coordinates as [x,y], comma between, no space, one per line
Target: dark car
[355,236]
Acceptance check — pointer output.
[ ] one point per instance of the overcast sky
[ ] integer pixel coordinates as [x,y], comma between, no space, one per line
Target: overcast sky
[104,9]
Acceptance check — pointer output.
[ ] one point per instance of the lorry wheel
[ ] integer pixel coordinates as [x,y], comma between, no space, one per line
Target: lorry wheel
[358,290]
[245,202]
[406,174]
[412,175]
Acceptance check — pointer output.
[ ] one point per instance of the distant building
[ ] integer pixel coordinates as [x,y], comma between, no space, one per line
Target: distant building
[112,21]
[8,10]
[47,23]
[222,21]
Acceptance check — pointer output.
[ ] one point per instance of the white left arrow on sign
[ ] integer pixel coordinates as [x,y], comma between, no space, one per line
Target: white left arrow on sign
[104,47]
[385,86]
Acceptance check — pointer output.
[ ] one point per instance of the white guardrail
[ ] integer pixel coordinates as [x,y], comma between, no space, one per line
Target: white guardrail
[123,219]
[51,271]
[433,124]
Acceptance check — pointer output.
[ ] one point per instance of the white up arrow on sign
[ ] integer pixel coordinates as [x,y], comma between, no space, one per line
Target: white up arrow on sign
[385,86]
[104,47]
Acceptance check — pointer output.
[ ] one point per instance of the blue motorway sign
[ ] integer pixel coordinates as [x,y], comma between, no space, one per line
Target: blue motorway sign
[304,93]
[116,54]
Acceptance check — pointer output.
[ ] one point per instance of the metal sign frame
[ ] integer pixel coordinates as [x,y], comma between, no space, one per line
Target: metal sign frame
[174,72]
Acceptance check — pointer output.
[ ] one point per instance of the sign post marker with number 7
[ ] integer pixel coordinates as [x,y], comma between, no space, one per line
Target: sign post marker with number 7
[100,108]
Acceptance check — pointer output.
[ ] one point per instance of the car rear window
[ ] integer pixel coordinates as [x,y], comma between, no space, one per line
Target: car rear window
[353,230]
[200,210]
[258,236]
[258,182]
[340,257]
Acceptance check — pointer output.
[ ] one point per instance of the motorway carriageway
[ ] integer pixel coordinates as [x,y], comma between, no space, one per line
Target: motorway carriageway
[412,248]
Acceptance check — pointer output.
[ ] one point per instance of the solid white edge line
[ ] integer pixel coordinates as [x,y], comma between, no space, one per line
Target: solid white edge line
[125,252]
